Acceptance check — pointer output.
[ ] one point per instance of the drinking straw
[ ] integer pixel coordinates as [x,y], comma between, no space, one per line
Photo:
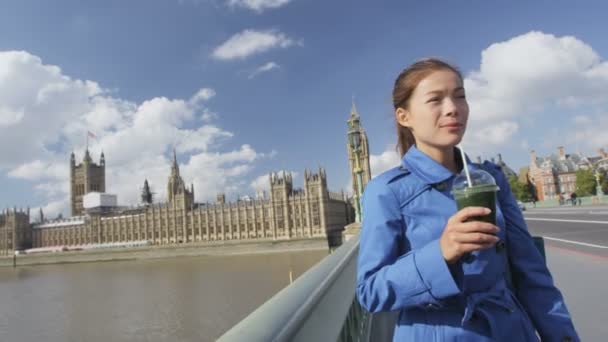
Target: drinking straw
[464,162]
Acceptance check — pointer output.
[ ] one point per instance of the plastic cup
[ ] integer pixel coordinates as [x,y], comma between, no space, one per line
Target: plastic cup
[478,196]
[481,193]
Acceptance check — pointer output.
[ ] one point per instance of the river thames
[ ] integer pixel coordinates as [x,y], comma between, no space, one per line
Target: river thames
[176,299]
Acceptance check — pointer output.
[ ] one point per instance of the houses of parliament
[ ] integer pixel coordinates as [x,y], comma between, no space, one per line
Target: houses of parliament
[288,213]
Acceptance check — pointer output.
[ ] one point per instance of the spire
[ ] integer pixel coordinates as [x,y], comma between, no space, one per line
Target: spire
[175,166]
[102,159]
[146,194]
[353,110]
[87,156]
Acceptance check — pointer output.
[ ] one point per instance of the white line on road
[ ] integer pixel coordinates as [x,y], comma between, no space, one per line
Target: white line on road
[575,242]
[561,212]
[559,220]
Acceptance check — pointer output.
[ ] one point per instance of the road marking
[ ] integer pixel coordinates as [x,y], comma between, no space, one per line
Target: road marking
[559,220]
[575,242]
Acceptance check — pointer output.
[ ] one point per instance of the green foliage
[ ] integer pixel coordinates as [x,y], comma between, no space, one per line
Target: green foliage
[604,182]
[585,183]
[522,191]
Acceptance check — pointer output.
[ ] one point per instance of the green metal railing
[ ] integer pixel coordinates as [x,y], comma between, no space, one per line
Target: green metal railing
[319,306]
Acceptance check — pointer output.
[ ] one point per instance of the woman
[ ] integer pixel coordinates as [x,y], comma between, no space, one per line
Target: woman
[444,272]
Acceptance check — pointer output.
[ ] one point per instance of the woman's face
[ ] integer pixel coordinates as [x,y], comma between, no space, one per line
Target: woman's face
[437,111]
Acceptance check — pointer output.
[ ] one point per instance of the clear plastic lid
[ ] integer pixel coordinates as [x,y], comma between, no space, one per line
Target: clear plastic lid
[480,179]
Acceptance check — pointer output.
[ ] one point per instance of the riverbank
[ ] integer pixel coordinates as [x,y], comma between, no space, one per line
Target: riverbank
[167,251]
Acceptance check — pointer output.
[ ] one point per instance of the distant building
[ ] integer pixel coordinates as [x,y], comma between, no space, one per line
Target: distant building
[84,178]
[556,174]
[15,230]
[288,213]
[504,167]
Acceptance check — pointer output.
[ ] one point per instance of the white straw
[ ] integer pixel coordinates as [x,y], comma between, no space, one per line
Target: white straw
[464,163]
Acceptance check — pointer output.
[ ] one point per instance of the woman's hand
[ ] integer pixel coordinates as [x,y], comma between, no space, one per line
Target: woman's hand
[460,237]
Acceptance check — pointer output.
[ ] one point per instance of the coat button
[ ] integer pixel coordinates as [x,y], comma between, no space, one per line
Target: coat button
[500,246]
[441,186]
[431,306]
[468,258]
[567,339]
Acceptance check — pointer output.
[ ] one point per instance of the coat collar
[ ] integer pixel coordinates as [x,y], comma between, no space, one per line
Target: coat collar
[429,170]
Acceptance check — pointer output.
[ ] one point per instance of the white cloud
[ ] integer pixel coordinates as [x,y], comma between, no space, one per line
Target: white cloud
[9,117]
[589,132]
[524,77]
[208,116]
[384,161]
[203,95]
[38,169]
[582,120]
[264,68]
[51,210]
[496,134]
[250,42]
[136,138]
[258,5]
[262,183]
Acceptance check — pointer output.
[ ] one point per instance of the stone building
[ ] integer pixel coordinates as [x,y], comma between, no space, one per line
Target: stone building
[556,174]
[84,178]
[288,213]
[15,231]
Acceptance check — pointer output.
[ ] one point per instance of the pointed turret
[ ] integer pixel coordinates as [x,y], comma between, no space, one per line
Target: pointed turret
[353,110]
[102,159]
[175,165]
[146,194]
[87,156]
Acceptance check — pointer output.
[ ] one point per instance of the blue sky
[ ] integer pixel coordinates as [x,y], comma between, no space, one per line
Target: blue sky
[245,87]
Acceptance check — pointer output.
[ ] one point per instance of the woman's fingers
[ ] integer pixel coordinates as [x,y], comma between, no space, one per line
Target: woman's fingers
[476,238]
[476,227]
[467,213]
[470,247]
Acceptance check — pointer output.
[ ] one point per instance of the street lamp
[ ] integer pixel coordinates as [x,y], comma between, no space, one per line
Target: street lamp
[598,188]
[354,137]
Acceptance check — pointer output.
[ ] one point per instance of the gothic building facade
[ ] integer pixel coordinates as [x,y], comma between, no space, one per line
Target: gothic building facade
[84,178]
[288,213]
[15,230]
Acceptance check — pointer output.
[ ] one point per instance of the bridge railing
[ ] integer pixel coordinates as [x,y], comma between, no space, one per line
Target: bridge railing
[319,306]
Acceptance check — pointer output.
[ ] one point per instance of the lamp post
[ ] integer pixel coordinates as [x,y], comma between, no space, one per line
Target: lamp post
[354,137]
[598,187]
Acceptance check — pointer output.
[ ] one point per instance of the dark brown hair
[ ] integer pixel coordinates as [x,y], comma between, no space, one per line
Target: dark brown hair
[405,84]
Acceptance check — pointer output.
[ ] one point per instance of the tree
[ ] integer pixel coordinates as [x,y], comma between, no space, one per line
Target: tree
[522,191]
[585,182]
[603,180]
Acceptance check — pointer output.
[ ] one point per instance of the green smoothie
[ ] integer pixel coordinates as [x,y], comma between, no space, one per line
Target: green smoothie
[478,196]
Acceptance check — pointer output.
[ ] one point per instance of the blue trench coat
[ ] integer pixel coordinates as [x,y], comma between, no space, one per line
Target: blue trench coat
[400,265]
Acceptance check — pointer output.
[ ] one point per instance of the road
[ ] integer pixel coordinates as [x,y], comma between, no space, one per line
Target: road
[576,241]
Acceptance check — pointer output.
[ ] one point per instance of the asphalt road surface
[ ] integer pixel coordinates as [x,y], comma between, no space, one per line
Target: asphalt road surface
[576,242]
